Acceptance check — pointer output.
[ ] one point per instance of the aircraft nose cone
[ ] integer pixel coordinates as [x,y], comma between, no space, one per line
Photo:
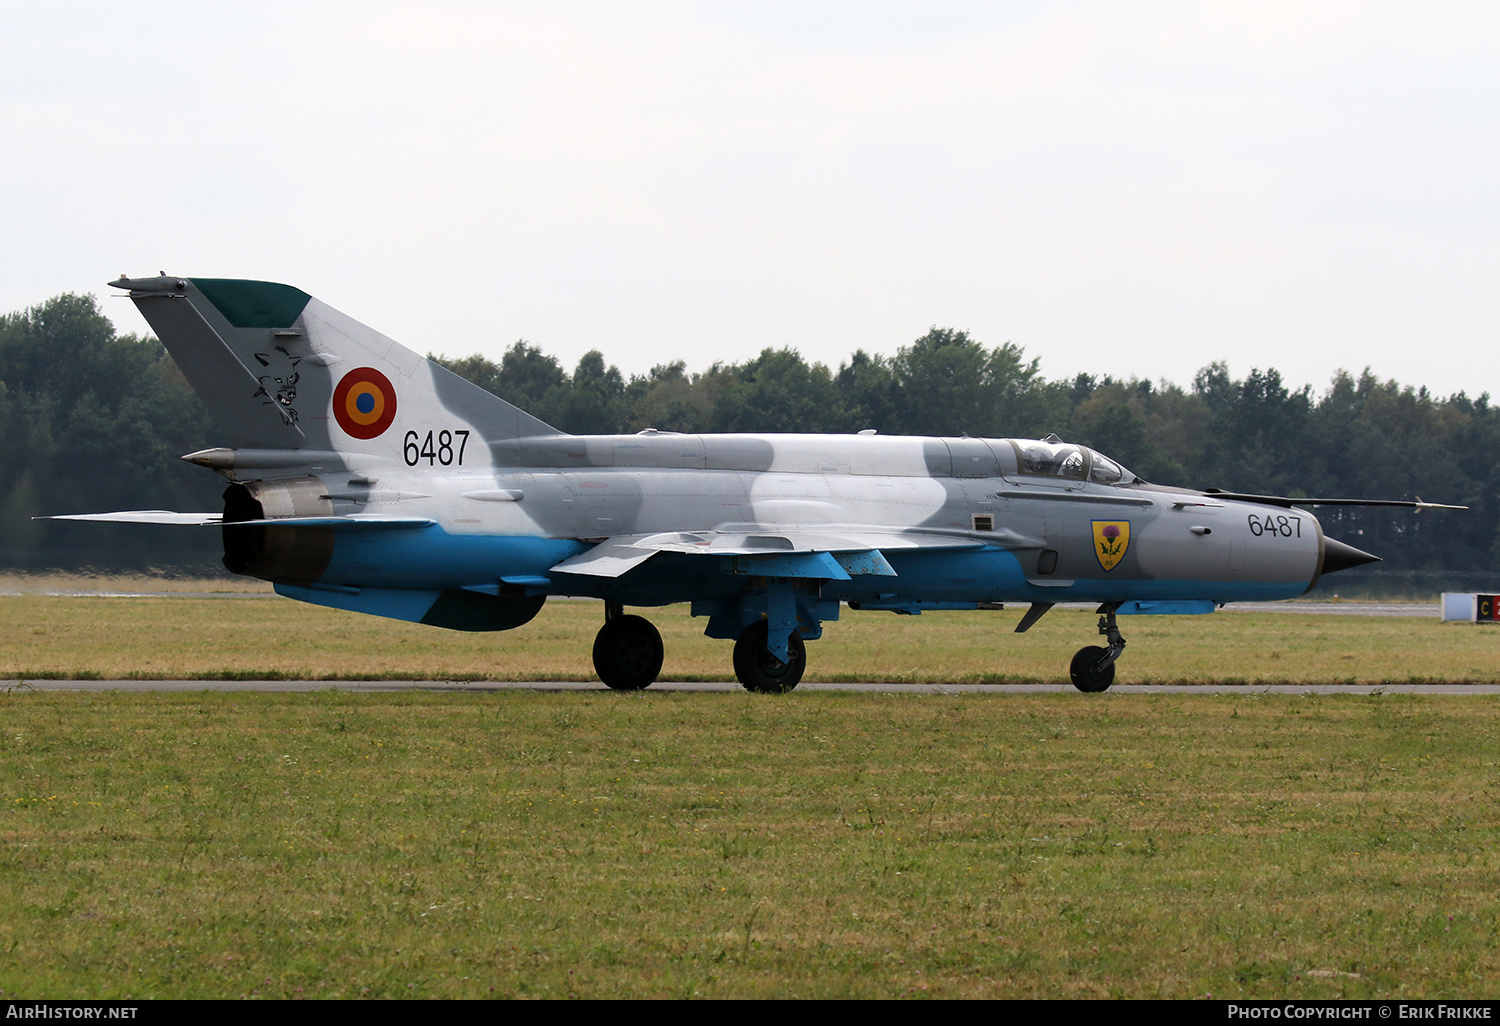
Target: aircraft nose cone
[1339,556]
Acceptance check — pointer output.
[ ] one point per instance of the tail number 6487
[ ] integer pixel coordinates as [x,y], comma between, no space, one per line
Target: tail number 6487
[1284,525]
[440,447]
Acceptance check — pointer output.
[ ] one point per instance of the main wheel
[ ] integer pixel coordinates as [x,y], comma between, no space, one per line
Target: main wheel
[627,653]
[758,670]
[1087,672]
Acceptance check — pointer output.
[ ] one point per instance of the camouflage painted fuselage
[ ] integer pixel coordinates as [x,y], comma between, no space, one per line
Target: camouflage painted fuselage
[366,477]
[956,530]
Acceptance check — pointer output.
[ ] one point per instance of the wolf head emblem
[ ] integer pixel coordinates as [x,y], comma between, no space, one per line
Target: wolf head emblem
[279,384]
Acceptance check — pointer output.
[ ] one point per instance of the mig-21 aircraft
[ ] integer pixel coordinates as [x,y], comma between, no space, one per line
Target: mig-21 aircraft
[367,478]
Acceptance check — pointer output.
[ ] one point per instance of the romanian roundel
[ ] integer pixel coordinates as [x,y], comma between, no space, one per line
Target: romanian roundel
[364,403]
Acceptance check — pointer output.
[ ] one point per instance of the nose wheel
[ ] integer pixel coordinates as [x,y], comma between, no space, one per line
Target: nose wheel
[1093,668]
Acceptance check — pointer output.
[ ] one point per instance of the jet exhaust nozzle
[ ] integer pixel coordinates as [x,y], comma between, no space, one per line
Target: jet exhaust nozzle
[1339,556]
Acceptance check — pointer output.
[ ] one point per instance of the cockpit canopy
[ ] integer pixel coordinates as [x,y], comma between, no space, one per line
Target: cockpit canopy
[1052,457]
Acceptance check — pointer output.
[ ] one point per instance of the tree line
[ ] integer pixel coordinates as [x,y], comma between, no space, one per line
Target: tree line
[93,420]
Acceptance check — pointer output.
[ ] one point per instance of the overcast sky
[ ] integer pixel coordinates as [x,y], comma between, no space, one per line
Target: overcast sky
[1132,189]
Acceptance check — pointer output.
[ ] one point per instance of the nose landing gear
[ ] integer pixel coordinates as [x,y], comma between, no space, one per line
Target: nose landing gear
[1093,668]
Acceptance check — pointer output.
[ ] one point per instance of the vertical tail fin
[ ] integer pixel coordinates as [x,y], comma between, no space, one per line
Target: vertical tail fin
[282,370]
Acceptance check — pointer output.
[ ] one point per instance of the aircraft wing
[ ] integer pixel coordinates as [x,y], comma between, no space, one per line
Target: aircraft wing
[143,516]
[162,516]
[829,551]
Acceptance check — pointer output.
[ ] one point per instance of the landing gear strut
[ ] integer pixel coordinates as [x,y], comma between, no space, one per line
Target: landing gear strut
[1093,668]
[627,650]
[758,670]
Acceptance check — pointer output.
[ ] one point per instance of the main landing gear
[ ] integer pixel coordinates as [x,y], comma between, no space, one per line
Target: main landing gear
[758,670]
[628,655]
[627,650]
[1093,668]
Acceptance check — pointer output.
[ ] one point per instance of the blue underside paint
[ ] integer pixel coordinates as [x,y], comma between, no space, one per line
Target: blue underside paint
[1179,608]
[393,603]
[995,575]
[457,609]
[815,565]
[430,560]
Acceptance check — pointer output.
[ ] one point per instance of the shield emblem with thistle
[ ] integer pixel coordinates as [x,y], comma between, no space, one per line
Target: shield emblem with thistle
[1111,539]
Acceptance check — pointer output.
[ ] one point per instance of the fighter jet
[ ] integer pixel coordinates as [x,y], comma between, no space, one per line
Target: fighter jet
[365,477]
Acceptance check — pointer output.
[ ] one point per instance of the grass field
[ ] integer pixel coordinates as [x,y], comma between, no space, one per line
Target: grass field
[268,638]
[733,845]
[712,845]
